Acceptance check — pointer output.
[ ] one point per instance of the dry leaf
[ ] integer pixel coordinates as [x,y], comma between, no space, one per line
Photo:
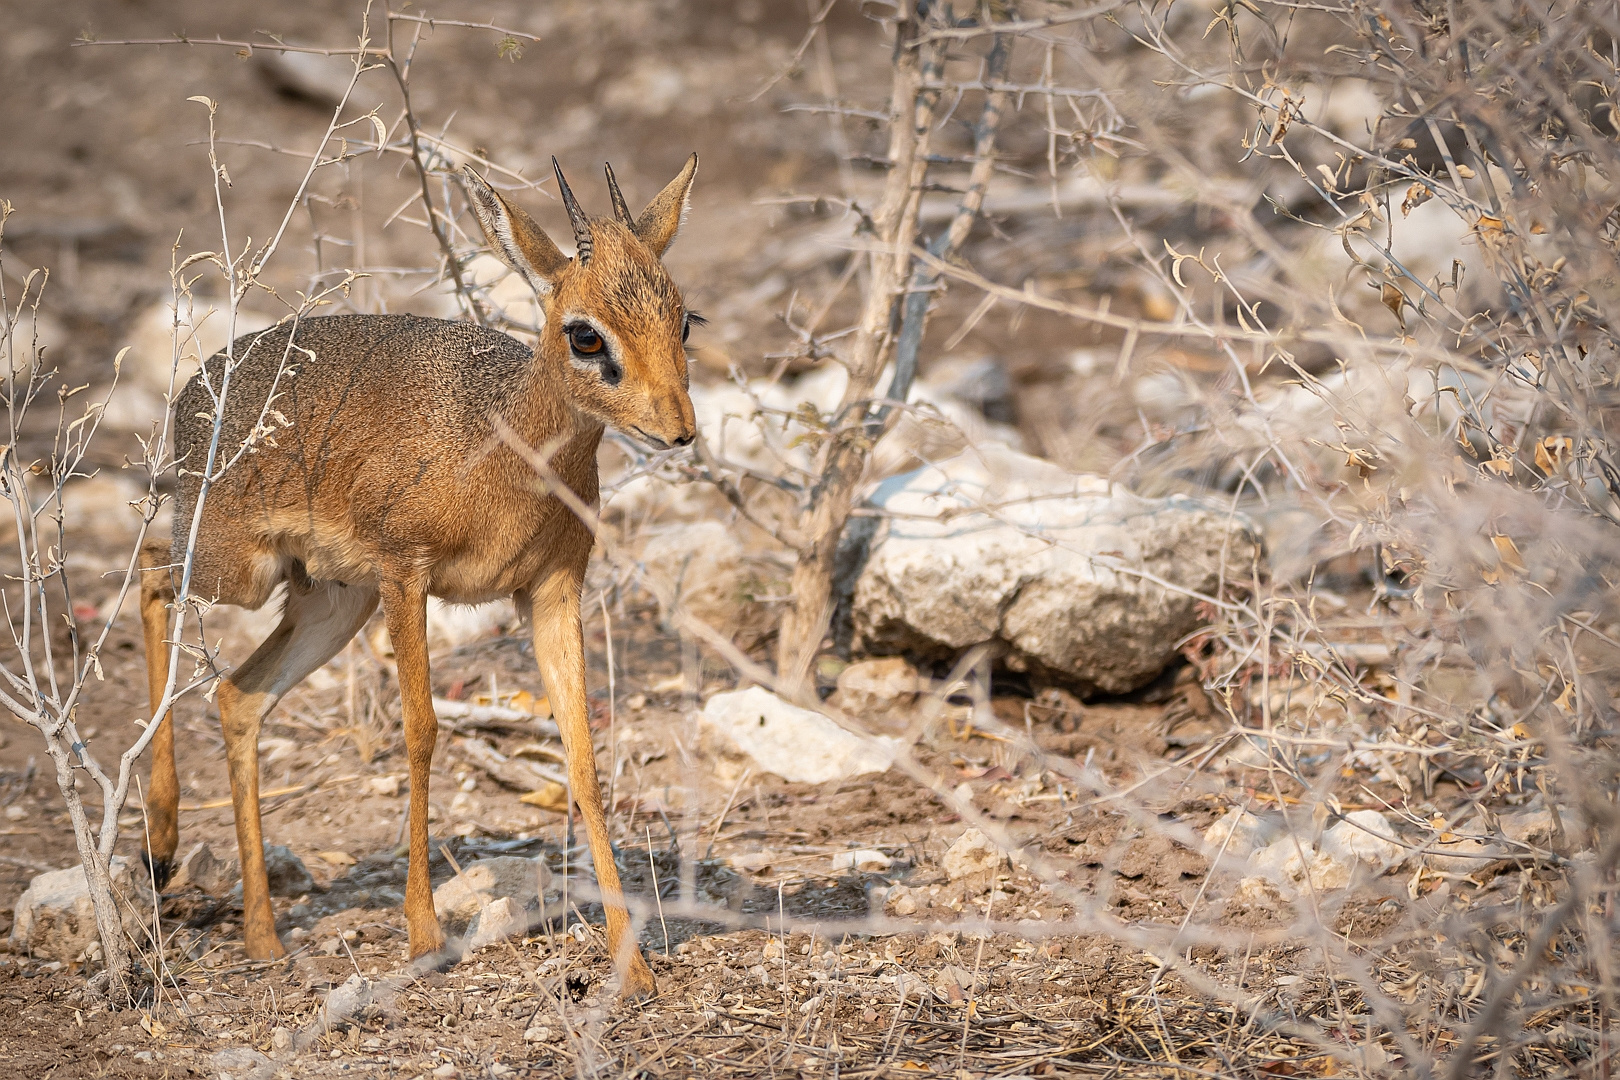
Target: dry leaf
[1465,172]
[1552,452]
[1566,700]
[1508,552]
[1490,223]
[335,858]
[1416,196]
[552,796]
[1395,300]
[1500,466]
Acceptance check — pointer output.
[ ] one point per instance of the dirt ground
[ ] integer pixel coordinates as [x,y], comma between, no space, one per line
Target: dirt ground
[771,958]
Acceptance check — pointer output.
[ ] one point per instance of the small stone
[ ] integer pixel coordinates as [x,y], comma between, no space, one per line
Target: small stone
[901,901]
[500,919]
[868,688]
[537,1034]
[799,745]
[864,860]
[446,1071]
[974,855]
[281,1038]
[288,875]
[386,786]
[1237,834]
[16,812]
[1363,836]
[459,901]
[204,870]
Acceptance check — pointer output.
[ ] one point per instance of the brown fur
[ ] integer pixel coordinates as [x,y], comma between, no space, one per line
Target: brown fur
[375,471]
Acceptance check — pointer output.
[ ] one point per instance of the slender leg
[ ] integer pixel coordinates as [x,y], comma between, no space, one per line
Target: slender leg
[163,786]
[559,648]
[405,607]
[319,620]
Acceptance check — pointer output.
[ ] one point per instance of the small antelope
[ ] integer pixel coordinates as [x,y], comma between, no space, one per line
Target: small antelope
[394,480]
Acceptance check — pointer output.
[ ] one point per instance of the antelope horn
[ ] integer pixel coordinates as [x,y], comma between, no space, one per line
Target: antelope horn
[582,227]
[620,210]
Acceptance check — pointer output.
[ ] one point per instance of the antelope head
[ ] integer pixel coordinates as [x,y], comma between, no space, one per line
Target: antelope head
[615,322]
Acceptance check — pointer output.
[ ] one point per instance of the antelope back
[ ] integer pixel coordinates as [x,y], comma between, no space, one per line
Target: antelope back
[615,323]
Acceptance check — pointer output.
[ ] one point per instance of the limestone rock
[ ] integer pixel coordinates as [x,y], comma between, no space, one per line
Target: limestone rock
[206,871]
[1364,836]
[1238,834]
[461,901]
[54,919]
[864,861]
[870,688]
[502,918]
[796,744]
[1069,577]
[974,860]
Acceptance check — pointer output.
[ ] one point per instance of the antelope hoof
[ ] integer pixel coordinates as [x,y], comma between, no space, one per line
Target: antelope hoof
[161,869]
[636,983]
[267,947]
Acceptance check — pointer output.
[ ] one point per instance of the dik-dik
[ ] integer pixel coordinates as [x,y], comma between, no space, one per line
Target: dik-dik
[396,478]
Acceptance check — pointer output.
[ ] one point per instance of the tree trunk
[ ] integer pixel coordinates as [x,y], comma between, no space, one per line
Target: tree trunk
[98,874]
[843,458]
[856,430]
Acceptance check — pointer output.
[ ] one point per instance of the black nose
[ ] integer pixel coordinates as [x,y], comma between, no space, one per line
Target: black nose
[685,440]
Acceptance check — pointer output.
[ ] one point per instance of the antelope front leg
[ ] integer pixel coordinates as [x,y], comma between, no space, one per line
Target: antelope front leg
[559,648]
[405,610]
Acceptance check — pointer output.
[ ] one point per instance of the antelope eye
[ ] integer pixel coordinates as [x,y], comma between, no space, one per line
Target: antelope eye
[584,339]
[692,319]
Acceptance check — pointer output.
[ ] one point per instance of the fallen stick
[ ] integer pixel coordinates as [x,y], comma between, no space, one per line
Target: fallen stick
[518,774]
[463,714]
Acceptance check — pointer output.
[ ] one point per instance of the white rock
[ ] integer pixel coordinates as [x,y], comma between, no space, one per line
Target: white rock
[867,687]
[1464,855]
[144,376]
[451,626]
[386,786]
[500,919]
[865,860]
[55,920]
[1536,827]
[461,900]
[699,568]
[901,901]
[1363,836]
[1304,863]
[1294,865]
[1057,575]
[1248,833]
[974,854]
[796,744]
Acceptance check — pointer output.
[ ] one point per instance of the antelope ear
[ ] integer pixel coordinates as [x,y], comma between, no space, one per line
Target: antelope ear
[658,223]
[520,243]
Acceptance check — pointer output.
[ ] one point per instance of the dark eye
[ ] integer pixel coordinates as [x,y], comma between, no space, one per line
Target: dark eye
[584,339]
[692,319]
